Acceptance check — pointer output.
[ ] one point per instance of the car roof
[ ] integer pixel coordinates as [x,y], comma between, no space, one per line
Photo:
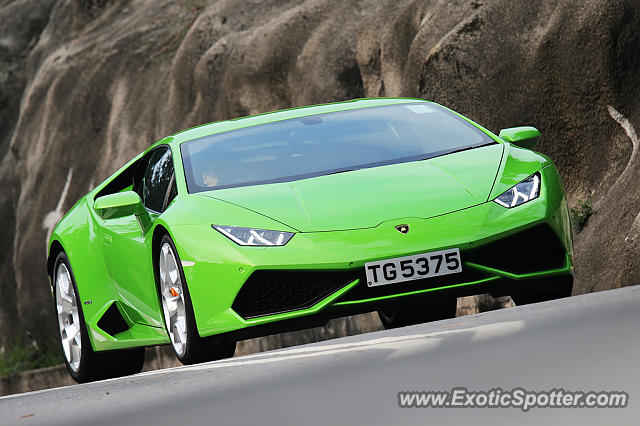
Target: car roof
[270,117]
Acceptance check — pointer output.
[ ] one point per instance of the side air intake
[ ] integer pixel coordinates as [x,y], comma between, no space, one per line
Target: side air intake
[112,322]
[268,292]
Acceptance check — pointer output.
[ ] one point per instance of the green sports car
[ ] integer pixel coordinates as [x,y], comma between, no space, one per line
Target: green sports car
[282,221]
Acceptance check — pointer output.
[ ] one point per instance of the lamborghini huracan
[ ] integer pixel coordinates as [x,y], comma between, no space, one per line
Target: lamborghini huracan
[282,221]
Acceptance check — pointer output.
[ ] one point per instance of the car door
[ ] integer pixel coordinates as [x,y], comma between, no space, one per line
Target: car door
[127,240]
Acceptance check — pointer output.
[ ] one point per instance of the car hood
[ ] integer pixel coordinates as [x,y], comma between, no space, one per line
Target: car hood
[367,197]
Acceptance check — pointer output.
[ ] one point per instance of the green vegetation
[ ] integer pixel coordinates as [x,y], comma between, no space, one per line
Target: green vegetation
[581,213]
[21,356]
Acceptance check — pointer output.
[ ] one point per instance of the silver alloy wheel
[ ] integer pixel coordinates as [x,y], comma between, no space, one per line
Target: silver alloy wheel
[68,317]
[173,304]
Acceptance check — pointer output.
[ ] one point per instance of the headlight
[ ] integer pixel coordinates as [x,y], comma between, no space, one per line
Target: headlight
[525,191]
[254,237]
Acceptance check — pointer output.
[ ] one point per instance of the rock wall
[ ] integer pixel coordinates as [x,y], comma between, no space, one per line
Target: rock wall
[85,85]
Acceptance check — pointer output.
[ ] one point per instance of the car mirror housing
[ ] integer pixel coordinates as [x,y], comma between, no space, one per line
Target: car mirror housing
[120,204]
[524,137]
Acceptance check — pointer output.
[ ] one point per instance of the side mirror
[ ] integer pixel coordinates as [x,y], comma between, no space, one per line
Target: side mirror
[119,204]
[524,137]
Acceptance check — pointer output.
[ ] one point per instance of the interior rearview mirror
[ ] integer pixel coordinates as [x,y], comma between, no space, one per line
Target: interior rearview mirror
[120,204]
[524,137]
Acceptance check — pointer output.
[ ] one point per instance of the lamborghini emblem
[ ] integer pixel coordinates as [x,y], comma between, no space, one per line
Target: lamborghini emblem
[403,229]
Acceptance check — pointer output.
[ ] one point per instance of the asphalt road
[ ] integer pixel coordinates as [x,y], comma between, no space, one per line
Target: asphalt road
[583,343]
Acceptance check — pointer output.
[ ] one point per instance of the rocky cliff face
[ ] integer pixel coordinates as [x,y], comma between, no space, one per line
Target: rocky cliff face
[86,84]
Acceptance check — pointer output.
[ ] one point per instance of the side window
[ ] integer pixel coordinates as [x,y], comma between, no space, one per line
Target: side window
[125,180]
[158,179]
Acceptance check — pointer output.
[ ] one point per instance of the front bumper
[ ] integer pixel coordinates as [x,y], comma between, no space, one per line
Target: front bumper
[500,249]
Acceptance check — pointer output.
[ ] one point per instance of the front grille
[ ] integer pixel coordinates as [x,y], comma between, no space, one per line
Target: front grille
[361,291]
[270,292]
[535,249]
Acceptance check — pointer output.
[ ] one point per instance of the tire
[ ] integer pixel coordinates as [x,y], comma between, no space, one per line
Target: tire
[543,289]
[177,310]
[83,363]
[411,314]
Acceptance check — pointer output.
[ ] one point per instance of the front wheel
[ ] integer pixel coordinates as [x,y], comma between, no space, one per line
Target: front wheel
[410,314]
[178,314]
[85,365]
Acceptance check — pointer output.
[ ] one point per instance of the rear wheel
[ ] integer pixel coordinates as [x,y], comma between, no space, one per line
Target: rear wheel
[178,314]
[85,365]
[410,314]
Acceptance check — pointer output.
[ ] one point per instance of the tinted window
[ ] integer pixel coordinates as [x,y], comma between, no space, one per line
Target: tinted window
[127,179]
[326,143]
[157,178]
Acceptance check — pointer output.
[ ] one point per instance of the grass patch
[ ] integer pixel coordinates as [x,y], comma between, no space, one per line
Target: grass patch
[581,213]
[21,356]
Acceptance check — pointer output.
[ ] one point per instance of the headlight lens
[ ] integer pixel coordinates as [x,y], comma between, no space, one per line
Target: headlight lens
[523,192]
[254,237]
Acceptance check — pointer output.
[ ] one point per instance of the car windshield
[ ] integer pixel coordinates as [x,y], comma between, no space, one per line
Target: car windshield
[324,144]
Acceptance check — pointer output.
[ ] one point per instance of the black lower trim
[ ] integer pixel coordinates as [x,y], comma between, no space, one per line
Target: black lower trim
[362,291]
[268,292]
[550,287]
[535,249]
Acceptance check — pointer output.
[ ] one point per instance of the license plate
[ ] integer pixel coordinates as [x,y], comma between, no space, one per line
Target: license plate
[417,267]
